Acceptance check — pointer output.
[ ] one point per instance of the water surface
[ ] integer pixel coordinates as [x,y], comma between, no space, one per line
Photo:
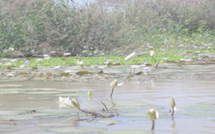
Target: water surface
[31,106]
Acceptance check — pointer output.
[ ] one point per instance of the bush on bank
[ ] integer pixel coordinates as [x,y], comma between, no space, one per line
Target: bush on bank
[39,27]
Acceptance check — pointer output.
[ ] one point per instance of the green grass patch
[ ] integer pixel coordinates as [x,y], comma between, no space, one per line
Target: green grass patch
[161,56]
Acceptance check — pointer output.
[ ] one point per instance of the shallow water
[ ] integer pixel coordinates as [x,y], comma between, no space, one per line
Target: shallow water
[194,98]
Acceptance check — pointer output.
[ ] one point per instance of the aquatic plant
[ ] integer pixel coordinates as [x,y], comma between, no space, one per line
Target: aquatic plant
[172,104]
[113,85]
[73,103]
[173,55]
[65,102]
[68,103]
[80,63]
[153,115]
[89,94]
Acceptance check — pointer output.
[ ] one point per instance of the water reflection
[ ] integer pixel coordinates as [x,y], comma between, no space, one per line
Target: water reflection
[152,131]
[75,121]
[173,123]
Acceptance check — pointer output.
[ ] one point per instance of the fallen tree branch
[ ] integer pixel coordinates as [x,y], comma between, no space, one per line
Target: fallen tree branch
[96,114]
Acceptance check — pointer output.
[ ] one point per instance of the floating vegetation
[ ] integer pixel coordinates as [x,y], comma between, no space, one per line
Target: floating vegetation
[83,72]
[64,74]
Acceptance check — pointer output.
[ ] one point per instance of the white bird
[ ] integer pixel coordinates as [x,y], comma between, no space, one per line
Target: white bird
[130,56]
[152,53]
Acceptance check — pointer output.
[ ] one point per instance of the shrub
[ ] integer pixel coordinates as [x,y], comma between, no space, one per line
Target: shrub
[39,26]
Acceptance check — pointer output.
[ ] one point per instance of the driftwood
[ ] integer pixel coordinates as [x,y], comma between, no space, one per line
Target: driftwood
[96,114]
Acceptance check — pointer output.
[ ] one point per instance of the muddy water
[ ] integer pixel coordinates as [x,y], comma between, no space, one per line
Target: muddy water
[31,106]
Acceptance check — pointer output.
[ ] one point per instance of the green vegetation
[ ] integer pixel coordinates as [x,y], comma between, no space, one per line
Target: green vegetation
[172,56]
[39,26]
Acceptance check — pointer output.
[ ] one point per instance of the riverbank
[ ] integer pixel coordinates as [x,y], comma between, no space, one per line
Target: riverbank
[107,73]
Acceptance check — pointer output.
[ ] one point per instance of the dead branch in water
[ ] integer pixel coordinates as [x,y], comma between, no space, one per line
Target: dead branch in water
[97,114]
